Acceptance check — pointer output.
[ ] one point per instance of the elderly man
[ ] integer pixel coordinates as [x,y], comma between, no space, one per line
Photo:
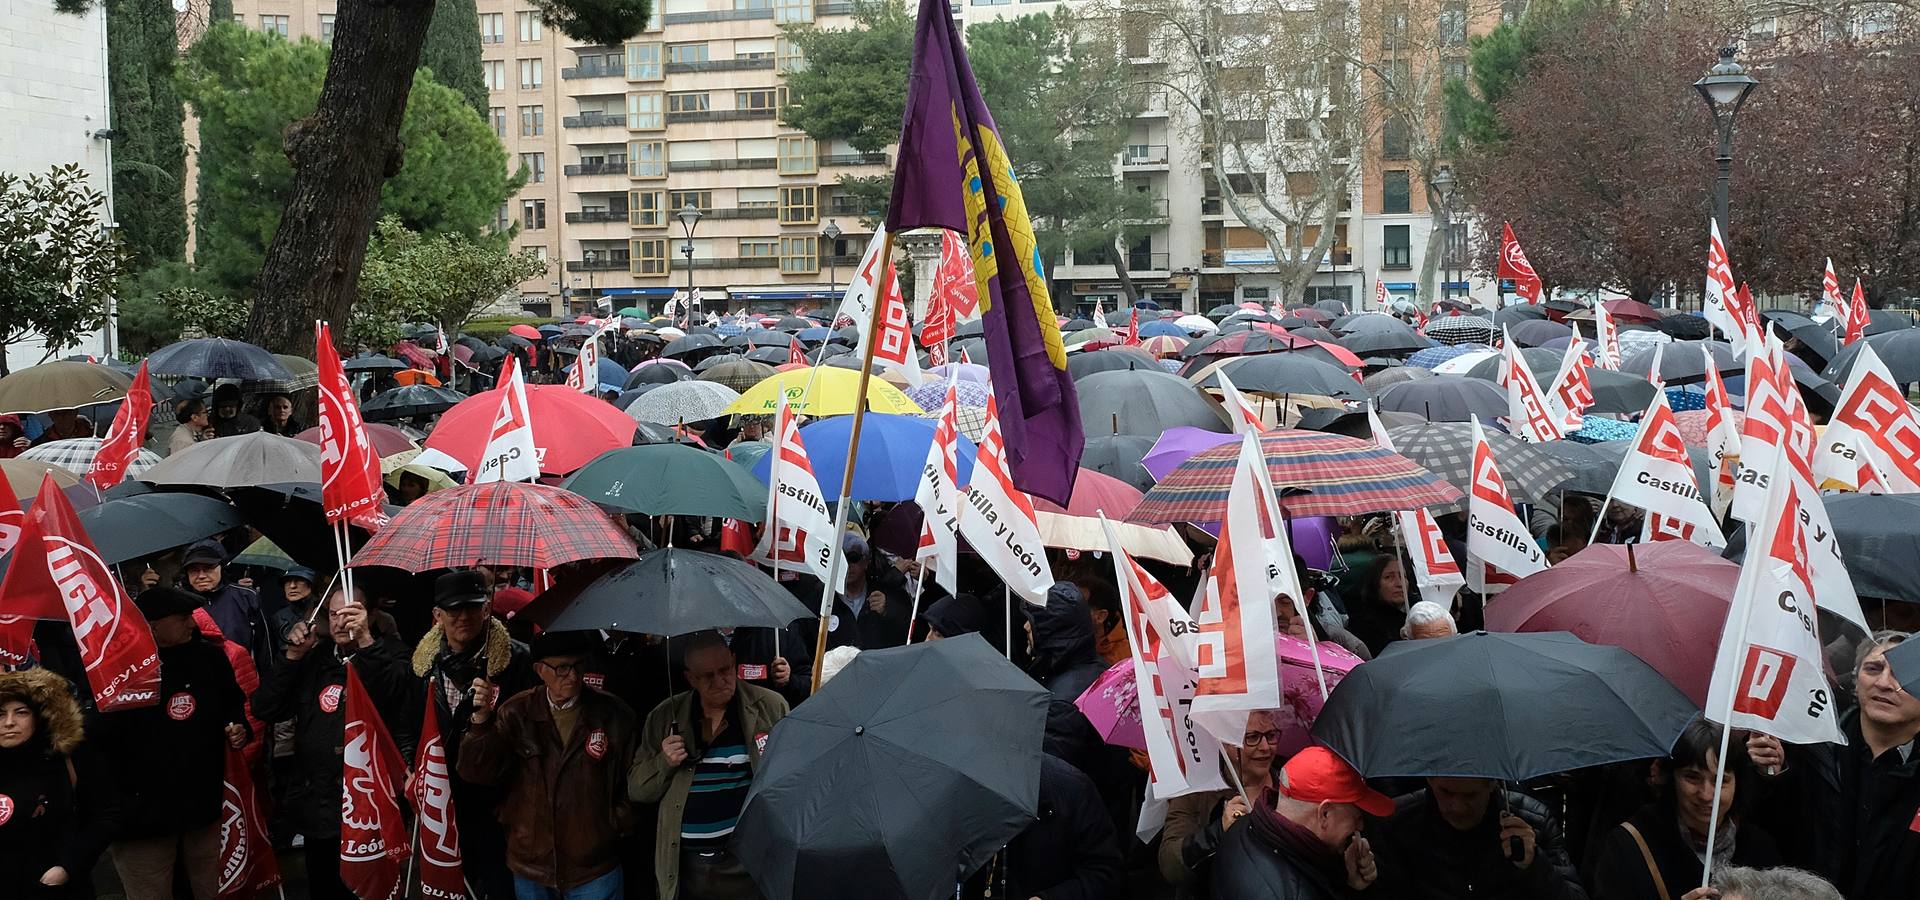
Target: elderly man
[712,734]
[1302,841]
[236,610]
[1427,620]
[1736,883]
[1466,837]
[560,752]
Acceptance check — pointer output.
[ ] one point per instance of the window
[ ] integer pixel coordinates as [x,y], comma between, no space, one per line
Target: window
[533,121]
[798,156]
[797,206]
[655,18]
[793,10]
[744,5]
[1298,130]
[756,148]
[496,72]
[758,198]
[787,56]
[536,165]
[647,159]
[530,26]
[1393,27]
[649,256]
[326,28]
[274,25]
[1452,27]
[1396,194]
[687,53]
[1396,138]
[701,200]
[502,220]
[1456,251]
[756,248]
[688,102]
[493,28]
[533,214]
[762,100]
[240,20]
[1512,10]
[644,111]
[1454,69]
[539,252]
[753,48]
[647,209]
[800,255]
[498,115]
[531,73]
[1397,77]
[1396,242]
[998,3]
[643,61]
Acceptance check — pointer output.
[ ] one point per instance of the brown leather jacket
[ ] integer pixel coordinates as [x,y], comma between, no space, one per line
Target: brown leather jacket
[566,807]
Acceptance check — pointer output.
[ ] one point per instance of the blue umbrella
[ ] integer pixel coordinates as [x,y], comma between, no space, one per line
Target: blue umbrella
[551,331]
[1161,328]
[1145,304]
[613,376]
[1433,356]
[212,358]
[815,334]
[892,450]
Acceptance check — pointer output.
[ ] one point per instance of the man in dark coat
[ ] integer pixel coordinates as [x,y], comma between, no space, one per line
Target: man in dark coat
[309,687]
[169,759]
[237,610]
[1066,664]
[873,613]
[1457,839]
[1302,841]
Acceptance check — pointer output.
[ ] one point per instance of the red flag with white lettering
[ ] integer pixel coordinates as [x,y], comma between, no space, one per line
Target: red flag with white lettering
[373,837]
[247,863]
[438,848]
[121,446]
[1856,316]
[57,574]
[796,355]
[350,481]
[16,629]
[1513,265]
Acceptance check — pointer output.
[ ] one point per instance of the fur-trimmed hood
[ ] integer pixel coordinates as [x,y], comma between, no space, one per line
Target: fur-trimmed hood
[499,650]
[52,699]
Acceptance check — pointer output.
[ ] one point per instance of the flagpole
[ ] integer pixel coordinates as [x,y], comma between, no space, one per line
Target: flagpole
[836,563]
[914,612]
[1006,593]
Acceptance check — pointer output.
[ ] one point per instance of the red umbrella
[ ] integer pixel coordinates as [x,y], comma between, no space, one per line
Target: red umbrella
[415,355]
[569,428]
[506,523]
[387,440]
[526,331]
[1093,493]
[1664,602]
[1632,310]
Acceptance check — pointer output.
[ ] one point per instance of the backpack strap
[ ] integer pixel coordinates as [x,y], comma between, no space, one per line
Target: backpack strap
[1646,853]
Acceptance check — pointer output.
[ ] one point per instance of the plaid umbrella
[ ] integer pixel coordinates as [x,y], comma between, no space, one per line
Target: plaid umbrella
[683,401]
[1446,449]
[931,395]
[739,373]
[76,455]
[500,522]
[1460,330]
[1340,476]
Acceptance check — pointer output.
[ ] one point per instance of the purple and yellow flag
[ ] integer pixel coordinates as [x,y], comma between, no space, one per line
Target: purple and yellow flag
[954,174]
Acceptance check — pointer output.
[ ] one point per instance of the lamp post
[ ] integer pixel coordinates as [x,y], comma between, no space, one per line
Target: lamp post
[1443,183]
[592,259]
[689,217]
[832,234]
[1724,88]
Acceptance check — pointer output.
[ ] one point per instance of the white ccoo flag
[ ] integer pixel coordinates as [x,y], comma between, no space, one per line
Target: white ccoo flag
[1495,534]
[510,454]
[998,520]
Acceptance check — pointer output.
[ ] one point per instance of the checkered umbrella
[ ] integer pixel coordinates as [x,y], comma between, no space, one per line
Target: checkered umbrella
[971,417]
[76,455]
[1460,330]
[683,401]
[1446,450]
[501,522]
[738,374]
[1318,475]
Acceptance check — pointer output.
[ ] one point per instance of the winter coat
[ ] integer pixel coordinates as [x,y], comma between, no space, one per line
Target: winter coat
[245,674]
[1617,870]
[652,780]
[1066,664]
[57,805]
[508,668]
[311,692]
[1189,840]
[1850,818]
[238,613]
[566,805]
[1421,857]
[868,630]
[170,759]
[1266,857]
[1069,852]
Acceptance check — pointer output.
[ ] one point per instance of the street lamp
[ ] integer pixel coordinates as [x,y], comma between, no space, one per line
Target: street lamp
[689,217]
[592,257]
[1725,87]
[1442,182]
[832,234]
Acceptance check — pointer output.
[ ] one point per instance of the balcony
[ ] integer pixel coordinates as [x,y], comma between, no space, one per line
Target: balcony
[1142,155]
[597,215]
[833,8]
[721,165]
[599,168]
[854,159]
[1154,210]
[595,120]
[848,260]
[599,264]
[716,15]
[1148,262]
[1212,206]
[720,65]
[600,70]
[743,212]
[733,262]
[720,115]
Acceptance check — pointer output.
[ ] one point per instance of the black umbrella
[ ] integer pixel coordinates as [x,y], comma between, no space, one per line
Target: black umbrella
[773,356]
[1535,332]
[373,363]
[1288,373]
[1331,307]
[408,401]
[718,359]
[1384,341]
[1900,350]
[1881,321]
[1113,359]
[1447,398]
[512,341]
[1876,537]
[1817,337]
[1222,311]
[795,323]
[760,337]
[1506,706]
[1517,313]
[1145,403]
[691,343]
[1681,362]
[1613,392]
[217,358]
[1119,455]
[658,373]
[132,527]
[900,776]
[1685,327]
[678,591]
[975,328]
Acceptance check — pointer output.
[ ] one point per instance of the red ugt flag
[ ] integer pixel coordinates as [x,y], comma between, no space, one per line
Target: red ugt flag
[1513,265]
[16,629]
[439,835]
[247,863]
[121,446]
[373,839]
[349,467]
[57,574]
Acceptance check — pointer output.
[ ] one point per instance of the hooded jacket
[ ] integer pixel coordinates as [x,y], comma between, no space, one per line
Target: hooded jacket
[1850,818]
[954,616]
[62,809]
[1066,664]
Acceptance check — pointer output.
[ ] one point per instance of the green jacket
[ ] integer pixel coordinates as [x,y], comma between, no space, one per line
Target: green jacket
[653,781]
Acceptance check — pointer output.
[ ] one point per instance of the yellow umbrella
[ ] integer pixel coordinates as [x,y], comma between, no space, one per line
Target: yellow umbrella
[825,391]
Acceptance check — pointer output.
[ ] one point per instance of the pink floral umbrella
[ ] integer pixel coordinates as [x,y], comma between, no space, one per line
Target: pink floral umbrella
[1112,702]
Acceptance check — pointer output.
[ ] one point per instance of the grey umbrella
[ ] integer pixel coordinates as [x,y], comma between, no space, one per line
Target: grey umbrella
[1535,332]
[1900,350]
[1517,313]
[1881,321]
[1613,392]
[216,358]
[1386,378]
[1112,359]
[1386,341]
[241,461]
[1446,450]
[1681,362]
[1287,373]
[678,591]
[1143,402]
[1817,337]
[1447,398]
[1119,456]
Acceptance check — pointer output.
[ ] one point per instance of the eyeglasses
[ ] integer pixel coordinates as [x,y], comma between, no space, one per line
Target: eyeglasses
[561,670]
[1263,737]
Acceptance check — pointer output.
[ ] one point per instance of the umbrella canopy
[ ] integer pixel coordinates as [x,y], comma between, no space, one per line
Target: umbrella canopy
[1461,330]
[1447,398]
[263,553]
[1613,392]
[1446,450]
[739,374]
[667,371]
[1900,350]
[1076,526]
[1877,539]
[822,391]
[132,527]
[61,385]
[1632,311]
[682,402]
[1661,599]
[1510,707]
[1112,703]
[772,356]
[1434,356]
[1119,456]
[76,455]
[669,480]
[1161,328]
[916,763]
[374,363]
[1320,474]
[1116,359]
[387,440]
[1287,373]
[1880,321]
[1144,402]
[1690,327]
[24,476]
[240,461]
[409,401]
[523,330]
[1816,337]
[217,358]
[692,343]
[1385,341]
[1681,362]
[1534,332]
[569,428]
[674,590]
[1163,346]
[1518,313]
[507,523]
[1593,468]
[893,450]
[1195,324]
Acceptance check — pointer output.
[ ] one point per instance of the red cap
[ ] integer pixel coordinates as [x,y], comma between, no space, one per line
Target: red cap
[1316,775]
